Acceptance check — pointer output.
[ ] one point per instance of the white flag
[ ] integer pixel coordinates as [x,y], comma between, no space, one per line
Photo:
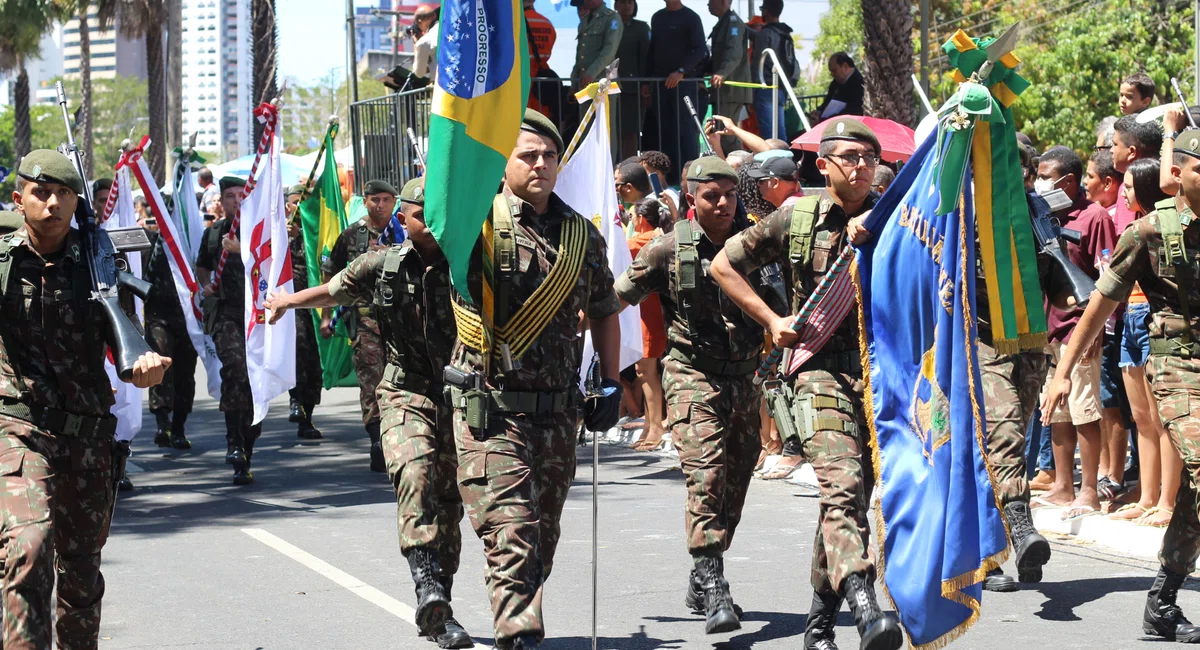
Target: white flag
[128,406]
[187,288]
[187,215]
[586,183]
[270,349]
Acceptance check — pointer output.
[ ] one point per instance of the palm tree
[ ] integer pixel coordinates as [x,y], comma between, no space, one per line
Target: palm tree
[22,25]
[105,15]
[174,72]
[888,50]
[263,30]
[146,19]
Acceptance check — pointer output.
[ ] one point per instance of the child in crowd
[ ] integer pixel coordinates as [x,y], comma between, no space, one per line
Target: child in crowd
[1136,93]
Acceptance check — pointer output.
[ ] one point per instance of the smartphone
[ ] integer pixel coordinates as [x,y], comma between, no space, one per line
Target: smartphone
[656,184]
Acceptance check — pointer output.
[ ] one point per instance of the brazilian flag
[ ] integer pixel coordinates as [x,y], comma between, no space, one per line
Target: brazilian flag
[323,217]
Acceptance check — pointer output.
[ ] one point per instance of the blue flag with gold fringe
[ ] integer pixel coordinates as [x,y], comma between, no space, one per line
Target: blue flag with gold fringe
[940,527]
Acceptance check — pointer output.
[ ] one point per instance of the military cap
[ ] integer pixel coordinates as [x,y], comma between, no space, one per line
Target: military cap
[1188,143]
[711,168]
[101,185]
[379,187]
[535,122]
[414,191]
[774,167]
[231,181]
[298,188]
[846,128]
[10,221]
[49,166]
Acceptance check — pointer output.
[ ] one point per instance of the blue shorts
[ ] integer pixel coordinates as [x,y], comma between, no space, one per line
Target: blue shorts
[1112,387]
[1135,340]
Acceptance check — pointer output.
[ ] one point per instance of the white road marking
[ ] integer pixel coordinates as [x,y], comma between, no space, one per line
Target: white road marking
[341,578]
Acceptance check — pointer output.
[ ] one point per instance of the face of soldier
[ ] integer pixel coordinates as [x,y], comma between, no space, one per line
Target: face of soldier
[715,203]
[380,207]
[231,201]
[47,207]
[98,201]
[532,168]
[718,8]
[848,171]
[1189,181]
[293,201]
[414,222]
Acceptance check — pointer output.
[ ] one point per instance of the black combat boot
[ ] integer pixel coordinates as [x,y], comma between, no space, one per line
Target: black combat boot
[451,633]
[125,485]
[718,604]
[305,429]
[178,439]
[433,605]
[162,419]
[527,642]
[378,464]
[1163,617]
[1032,549]
[997,581]
[822,619]
[694,600]
[877,631]
[234,454]
[295,410]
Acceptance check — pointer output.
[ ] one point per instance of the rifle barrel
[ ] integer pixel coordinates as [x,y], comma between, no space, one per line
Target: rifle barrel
[1179,95]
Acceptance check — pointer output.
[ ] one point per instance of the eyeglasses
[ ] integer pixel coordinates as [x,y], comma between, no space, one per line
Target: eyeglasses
[1101,148]
[853,160]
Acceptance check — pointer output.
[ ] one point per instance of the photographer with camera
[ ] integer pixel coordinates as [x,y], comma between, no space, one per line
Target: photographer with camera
[424,30]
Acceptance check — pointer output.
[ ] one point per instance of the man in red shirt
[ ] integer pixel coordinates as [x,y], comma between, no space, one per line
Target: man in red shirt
[545,93]
[1079,417]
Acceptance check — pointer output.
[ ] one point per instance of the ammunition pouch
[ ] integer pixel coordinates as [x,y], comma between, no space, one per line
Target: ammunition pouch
[208,309]
[1179,346]
[780,396]
[408,381]
[510,401]
[120,457]
[60,422]
[716,367]
[847,362]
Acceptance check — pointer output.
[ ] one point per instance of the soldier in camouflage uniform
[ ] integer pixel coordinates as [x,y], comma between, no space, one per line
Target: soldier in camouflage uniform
[409,285]
[369,356]
[1159,253]
[712,404]
[828,388]
[307,393]
[515,425]
[599,36]
[57,461]
[730,62]
[166,332]
[226,322]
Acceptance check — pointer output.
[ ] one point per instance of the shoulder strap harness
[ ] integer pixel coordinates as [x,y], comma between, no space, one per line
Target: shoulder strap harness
[7,244]
[1170,224]
[803,228]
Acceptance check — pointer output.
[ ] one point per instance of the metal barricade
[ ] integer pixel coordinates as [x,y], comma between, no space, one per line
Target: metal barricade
[379,127]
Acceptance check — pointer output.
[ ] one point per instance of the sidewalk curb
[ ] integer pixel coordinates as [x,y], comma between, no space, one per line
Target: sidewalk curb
[1120,536]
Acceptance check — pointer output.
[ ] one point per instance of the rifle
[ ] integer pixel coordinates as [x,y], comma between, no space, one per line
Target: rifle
[1179,95]
[107,271]
[412,140]
[1047,232]
[707,149]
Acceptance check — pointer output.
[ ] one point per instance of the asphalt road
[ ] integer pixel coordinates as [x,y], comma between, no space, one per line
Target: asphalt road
[308,558]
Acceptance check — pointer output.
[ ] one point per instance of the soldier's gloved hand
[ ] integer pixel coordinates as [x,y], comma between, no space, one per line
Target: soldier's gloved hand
[602,413]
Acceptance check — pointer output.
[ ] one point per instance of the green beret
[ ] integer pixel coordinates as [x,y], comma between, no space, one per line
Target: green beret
[49,166]
[535,122]
[379,187]
[231,181]
[414,191]
[1188,143]
[295,189]
[10,221]
[710,168]
[101,185]
[846,128]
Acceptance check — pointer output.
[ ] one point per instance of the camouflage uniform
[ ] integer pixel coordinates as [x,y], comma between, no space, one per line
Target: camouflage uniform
[166,332]
[731,60]
[713,350]
[514,476]
[835,440]
[418,440]
[1140,258]
[56,478]
[369,356]
[308,358]
[599,37]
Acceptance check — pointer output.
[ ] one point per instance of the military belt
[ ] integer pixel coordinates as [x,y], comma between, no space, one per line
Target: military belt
[409,381]
[712,366]
[515,401]
[59,421]
[848,362]
[1179,346]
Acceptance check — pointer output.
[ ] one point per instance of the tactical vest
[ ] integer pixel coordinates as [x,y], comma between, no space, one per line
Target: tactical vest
[81,279]
[395,295]
[801,236]
[1175,261]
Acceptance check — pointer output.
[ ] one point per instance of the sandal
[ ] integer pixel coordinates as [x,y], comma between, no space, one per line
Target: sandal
[1145,520]
[1108,489]
[782,469]
[1128,510]
[766,452]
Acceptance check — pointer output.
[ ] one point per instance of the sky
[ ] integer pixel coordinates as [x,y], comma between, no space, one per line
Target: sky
[312,32]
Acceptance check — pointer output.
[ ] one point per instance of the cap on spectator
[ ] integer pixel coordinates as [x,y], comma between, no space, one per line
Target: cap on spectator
[231,181]
[10,221]
[764,156]
[298,188]
[49,166]
[776,167]
[414,191]
[379,187]
[101,185]
[1188,143]
[852,130]
[710,168]
[535,122]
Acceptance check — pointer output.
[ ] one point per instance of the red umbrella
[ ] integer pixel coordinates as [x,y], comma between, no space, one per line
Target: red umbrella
[897,141]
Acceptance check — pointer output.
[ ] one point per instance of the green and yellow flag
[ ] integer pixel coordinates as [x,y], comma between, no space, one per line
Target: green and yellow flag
[322,219]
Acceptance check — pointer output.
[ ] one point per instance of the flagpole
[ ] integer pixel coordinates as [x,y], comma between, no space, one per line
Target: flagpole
[331,132]
[583,124]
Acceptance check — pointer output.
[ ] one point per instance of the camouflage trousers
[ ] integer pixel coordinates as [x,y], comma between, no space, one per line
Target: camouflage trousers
[56,503]
[370,358]
[229,337]
[178,388]
[308,361]
[714,423]
[834,441]
[1176,386]
[514,483]
[422,461]
[1011,386]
